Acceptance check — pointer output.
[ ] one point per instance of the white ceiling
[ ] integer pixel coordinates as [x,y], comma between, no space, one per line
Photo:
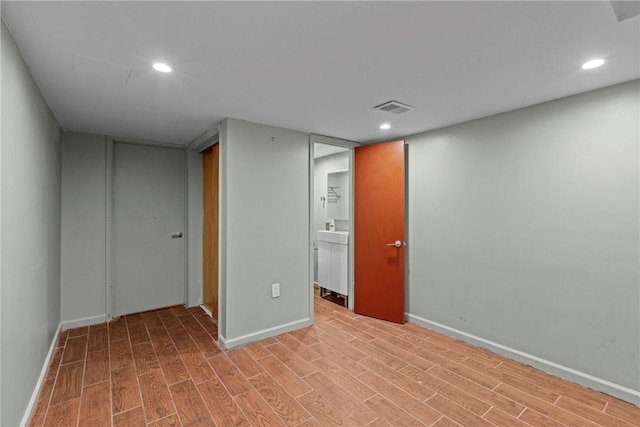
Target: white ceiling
[317,67]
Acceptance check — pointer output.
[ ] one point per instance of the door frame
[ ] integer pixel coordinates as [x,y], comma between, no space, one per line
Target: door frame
[109,229]
[350,145]
[206,140]
[214,309]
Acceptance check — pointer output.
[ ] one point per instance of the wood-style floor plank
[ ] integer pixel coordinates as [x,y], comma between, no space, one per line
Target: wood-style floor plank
[230,375]
[68,383]
[356,388]
[151,319]
[131,418]
[118,330]
[63,414]
[325,413]
[403,400]
[484,394]
[155,396]
[455,412]
[138,332]
[221,405]
[98,337]
[390,412]
[500,418]
[258,412]
[163,368]
[172,365]
[170,421]
[624,411]
[75,350]
[285,376]
[352,410]
[198,367]
[77,332]
[543,407]
[144,357]
[95,406]
[191,409]
[591,413]
[444,389]
[52,371]
[125,393]
[280,401]
[245,362]
[120,354]
[97,367]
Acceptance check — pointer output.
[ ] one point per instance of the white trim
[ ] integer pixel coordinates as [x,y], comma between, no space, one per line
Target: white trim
[312,237]
[351,280]
[321,139]
[206,140]
[185,229]
[582,378]
[41,378]
[265,333]
[350,146]
[134,141]
[85,321]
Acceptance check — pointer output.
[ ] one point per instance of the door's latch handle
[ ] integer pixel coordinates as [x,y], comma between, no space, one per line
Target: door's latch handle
[177,235]
[397,244]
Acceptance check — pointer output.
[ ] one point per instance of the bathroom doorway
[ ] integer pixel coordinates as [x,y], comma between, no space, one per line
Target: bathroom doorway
[332,219]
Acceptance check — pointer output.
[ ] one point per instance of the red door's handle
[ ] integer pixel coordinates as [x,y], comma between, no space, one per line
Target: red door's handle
[396,244]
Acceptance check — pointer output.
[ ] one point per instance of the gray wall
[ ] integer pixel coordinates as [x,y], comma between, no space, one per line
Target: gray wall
[265,230]
[83,271]
[523,231]
[30,236]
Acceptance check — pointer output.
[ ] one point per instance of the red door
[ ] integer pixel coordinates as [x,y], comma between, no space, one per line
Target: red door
[379,231]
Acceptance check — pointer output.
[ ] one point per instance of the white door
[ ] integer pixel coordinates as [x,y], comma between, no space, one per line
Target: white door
[148,247]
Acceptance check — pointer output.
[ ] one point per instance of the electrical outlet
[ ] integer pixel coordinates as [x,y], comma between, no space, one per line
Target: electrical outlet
[275,290]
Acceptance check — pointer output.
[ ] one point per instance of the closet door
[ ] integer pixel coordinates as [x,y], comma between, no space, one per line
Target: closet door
[148,246]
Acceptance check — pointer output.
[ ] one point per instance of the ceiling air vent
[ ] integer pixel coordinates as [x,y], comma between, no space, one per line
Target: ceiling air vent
[394,107]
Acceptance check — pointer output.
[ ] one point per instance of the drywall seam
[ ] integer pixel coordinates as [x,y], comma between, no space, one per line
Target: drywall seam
[582,378]
[41,378]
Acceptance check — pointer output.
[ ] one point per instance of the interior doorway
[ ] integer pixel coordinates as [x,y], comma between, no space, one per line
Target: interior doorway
[210,198]
[332,221]
[375,227]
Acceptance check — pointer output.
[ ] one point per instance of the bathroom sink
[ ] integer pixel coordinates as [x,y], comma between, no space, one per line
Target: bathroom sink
[341,237]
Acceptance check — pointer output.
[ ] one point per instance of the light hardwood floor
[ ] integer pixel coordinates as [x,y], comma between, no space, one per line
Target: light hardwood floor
[163,368]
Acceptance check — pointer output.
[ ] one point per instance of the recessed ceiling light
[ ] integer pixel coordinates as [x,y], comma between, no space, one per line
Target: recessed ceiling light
[385,126]
[163,68]
[594,63]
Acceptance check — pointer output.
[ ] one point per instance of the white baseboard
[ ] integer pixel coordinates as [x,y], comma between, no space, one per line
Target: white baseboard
[265,333]
[85,321]
[582,378]
[41,378]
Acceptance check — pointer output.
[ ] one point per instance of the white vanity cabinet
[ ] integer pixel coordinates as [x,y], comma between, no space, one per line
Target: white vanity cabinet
[333,260]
